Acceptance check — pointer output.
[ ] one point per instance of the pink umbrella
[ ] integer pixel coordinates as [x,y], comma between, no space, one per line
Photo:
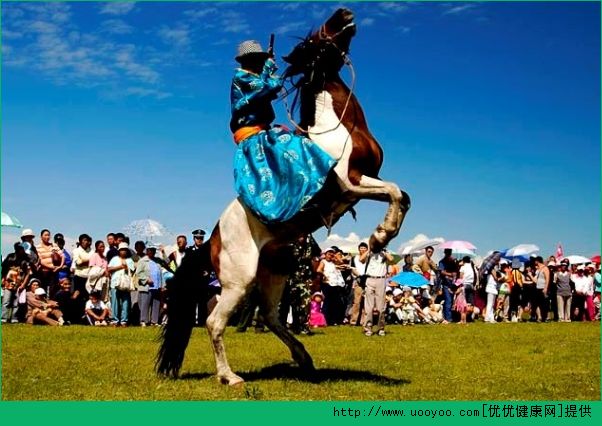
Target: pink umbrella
[458,246]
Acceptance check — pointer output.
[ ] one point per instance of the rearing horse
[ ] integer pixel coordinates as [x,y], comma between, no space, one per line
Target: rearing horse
[244,251]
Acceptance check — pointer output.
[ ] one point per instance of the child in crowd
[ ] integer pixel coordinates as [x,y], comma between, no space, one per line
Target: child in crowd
[407,307]
[460,304]
[316,317]
[96,310]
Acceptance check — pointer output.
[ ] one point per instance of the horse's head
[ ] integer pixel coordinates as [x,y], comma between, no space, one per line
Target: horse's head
[323,53]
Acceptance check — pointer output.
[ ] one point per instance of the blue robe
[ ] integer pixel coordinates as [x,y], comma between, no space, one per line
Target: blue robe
[276,172]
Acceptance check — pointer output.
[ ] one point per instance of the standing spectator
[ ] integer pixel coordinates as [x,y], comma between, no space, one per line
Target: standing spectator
[113,249]
[81,260]
[99,264]
[539,306]
[528,296]
[333,287]
[376,274]
[198,236]
[120,299]
[316,318]
[468,276]
[358,269]
[448,269]
[516,291]
[110,245]
[18,258]
[408,263]
[51,261]
[11,284]
[589,292]
[563,292]
[427,264]
[552,301]
[65,271]
[494,279]
[176,256]
[504,291]
[27,237]
[149,288]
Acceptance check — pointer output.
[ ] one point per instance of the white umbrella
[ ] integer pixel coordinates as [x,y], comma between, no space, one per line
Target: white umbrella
[8,220]
[522,250]
[146,228]
[576,259]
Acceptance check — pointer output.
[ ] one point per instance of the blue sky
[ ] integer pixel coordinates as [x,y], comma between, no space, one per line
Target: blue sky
[489,114]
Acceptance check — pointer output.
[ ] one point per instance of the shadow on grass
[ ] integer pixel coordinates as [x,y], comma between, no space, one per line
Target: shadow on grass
[292,371]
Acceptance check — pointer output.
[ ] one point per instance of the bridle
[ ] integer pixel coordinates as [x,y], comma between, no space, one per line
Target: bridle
[328,41]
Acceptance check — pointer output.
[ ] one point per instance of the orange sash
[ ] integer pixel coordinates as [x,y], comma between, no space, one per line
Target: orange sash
[244,132]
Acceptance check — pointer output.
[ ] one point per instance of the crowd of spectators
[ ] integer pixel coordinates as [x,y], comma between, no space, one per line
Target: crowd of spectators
[109,283]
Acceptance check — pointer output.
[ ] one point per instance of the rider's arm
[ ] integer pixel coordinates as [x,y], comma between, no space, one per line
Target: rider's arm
[248,87]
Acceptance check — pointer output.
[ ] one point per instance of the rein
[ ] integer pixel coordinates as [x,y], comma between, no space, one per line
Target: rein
[323,36]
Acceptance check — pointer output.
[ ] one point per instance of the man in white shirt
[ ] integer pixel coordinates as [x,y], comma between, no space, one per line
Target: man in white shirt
[358,269]
[374,302]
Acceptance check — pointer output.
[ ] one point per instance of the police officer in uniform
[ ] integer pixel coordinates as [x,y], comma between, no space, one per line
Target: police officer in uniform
[202,296]
[198,236]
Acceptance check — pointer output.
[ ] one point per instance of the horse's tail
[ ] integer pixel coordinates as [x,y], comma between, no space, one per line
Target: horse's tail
[183,291]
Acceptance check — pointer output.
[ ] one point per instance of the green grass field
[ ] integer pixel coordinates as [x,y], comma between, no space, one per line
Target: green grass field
[474,362]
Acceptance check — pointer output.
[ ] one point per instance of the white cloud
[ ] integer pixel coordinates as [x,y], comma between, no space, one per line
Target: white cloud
[404,29]
[197,14]
[393,7]
[117,8]
[179,36]
[366,22]
[290,27]
[145,92]
[347,244]
[233,22]
[11,35]
[454,10]
[286,7]
[125,60]
[116,26]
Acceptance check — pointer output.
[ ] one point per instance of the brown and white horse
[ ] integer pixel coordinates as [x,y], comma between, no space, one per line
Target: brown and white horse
[243,251]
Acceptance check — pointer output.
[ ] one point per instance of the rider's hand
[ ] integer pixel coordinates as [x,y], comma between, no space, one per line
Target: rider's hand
[270,65]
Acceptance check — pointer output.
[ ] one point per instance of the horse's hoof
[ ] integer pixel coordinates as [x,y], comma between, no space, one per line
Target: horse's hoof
[232,380]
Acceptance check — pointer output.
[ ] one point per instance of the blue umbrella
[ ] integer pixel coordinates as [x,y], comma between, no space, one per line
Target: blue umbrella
[410,279]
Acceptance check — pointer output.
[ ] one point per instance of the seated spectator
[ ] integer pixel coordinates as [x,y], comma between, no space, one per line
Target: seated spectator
[393,306]
[97,312]
[67,303]
[407,307]
[434,312]
[40,310]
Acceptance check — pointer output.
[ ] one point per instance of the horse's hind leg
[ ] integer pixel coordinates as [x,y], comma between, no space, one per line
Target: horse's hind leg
[271,287]
[216,324]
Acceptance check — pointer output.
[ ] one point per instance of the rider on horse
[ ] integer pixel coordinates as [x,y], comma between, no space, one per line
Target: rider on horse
[276,172]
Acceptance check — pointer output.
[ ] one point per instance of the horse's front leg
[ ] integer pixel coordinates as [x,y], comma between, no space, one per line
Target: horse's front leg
[399,204]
